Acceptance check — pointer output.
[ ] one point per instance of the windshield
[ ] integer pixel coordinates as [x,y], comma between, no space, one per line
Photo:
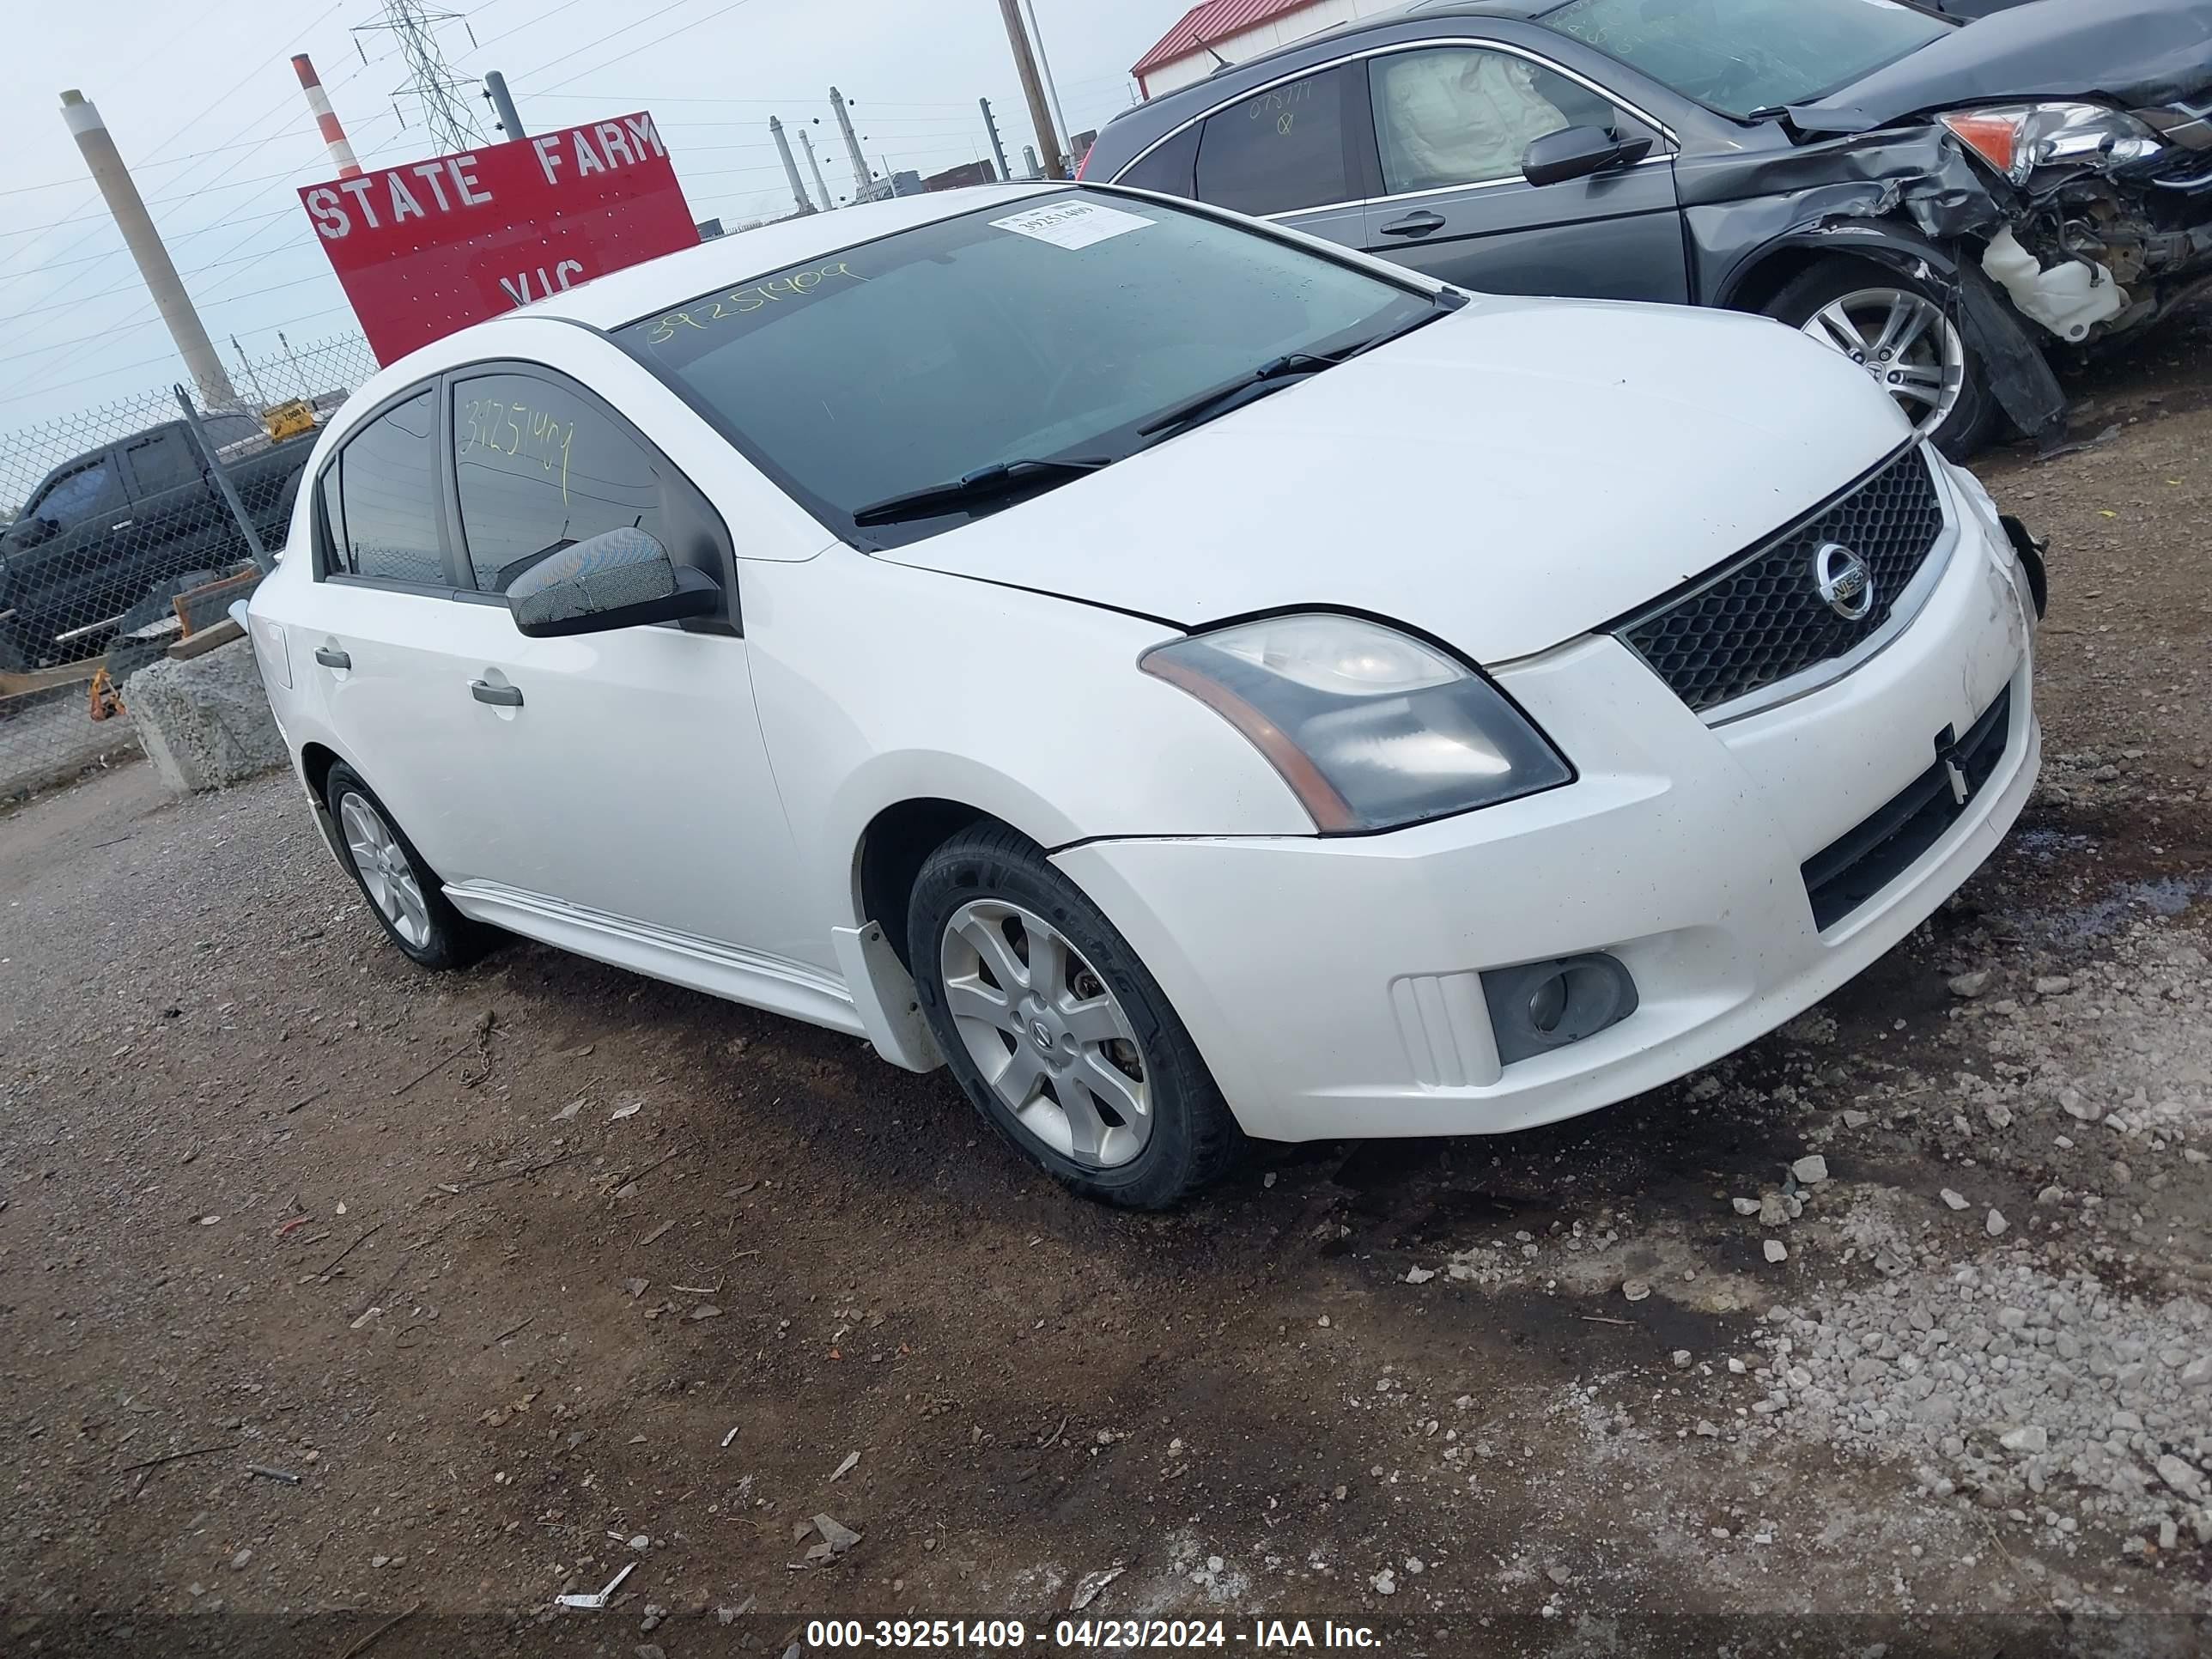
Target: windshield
[1740,57]
[1046,328]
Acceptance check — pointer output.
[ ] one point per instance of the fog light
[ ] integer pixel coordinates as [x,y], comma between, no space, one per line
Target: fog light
[1541,1006]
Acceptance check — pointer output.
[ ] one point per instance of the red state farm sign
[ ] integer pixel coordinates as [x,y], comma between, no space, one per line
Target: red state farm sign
[427,247]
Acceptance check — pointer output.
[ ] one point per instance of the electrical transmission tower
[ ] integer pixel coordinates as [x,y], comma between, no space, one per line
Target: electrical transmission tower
[445,98]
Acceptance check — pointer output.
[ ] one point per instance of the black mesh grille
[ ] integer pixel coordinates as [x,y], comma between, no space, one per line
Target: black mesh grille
[1763,620]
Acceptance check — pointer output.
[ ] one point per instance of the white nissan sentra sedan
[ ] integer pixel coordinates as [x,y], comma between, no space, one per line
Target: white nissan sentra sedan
[1193,681]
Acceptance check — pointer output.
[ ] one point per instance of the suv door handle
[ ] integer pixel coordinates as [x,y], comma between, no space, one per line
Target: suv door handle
[331,659]
[1414,224]
[502,697]
[125,525]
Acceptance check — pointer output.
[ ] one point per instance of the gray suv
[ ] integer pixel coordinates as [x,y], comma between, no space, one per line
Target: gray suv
[1946,203]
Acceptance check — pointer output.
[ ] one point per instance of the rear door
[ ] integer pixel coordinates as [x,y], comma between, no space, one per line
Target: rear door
[1298,153]
[177,523]
[379,642]
[1451,122]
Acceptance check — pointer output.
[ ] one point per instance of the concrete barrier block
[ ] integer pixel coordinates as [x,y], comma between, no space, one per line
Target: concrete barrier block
[205,723]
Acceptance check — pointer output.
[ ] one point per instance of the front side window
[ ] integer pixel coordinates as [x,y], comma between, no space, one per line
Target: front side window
[1459,115]
[1740,57]
[69,501]
[1279,150]
[389,496]
[1049,328]
[540,469]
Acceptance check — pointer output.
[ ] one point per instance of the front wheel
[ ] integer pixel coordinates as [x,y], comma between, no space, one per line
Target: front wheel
[1061,1039]
[1909,345]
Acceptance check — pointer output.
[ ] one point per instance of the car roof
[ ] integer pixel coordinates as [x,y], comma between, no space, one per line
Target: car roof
[639,290]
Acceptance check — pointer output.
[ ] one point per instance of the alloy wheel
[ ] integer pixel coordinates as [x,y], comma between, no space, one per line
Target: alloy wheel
[1905,343]
[1050,1038]
[385,871]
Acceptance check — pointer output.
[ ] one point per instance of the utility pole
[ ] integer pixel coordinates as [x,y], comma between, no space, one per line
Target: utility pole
[1032,88]
[991,127]
[502,103]
[123,199]
[1062,132]
[852,145]
[326,118]
[806,142]
[253,378]
[790,167]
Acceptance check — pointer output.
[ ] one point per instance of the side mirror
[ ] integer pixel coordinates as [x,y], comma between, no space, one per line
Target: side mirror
[1578,152]
[623,579]
[25,534]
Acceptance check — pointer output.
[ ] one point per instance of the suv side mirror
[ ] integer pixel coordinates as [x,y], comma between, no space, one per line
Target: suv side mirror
[25,534]
[623,579]
[1578,152]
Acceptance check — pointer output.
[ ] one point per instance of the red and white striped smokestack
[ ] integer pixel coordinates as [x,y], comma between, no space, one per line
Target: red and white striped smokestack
[326,117]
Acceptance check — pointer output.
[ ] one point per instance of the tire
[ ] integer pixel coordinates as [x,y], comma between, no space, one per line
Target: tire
[1866,297]
[421,921]
[1156,1130]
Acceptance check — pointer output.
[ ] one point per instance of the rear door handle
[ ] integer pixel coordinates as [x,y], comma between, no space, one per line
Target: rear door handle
[502,697]
[1414,224]
[125,525]
[331,659]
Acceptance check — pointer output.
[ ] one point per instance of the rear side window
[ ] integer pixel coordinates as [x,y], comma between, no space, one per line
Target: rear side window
[1279,150]
[223,430]
[1168,169]
[539,468]
[389,494]
[162,462]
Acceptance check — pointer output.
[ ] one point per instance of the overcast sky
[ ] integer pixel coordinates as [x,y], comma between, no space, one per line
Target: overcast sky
[212,120]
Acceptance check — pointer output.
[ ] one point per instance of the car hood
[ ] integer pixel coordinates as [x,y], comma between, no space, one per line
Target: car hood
[2136,53]
[1507,478]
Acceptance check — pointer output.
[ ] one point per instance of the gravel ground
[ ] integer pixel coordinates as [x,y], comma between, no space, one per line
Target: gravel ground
[442,1297]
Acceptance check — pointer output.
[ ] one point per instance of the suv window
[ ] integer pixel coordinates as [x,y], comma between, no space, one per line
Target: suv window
[389,493]
[1279,150]
[539,468]
[1459,115]
[161,462]
[72,499]
[1169,168]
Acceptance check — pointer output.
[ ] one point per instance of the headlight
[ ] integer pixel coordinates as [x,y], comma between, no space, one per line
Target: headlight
[2017,138]
[1370,727]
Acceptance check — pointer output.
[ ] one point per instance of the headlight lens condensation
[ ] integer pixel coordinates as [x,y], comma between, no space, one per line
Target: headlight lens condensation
[1371,728]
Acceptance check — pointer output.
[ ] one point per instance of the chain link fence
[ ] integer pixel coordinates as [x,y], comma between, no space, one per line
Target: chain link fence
[108,516]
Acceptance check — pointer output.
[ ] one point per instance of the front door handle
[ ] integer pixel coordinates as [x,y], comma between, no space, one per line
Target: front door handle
[331,658]
[499,696]
[1414,224]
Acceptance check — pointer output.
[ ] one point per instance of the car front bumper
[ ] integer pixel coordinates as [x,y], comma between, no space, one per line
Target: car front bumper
[1335,985]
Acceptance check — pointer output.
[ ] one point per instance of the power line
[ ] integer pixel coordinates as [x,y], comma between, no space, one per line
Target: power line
[673,5]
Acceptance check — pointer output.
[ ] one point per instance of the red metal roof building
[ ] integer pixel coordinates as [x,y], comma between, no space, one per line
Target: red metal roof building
[1235,30]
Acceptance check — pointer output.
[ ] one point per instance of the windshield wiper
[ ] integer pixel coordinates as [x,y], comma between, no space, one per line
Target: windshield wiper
[1276,371]
[985,483]
[1280,371]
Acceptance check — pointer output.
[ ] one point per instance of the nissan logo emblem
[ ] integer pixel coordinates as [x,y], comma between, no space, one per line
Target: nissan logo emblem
[1844,581]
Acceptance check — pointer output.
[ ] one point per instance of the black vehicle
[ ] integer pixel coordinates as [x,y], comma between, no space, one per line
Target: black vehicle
[106,527]
[1944,201]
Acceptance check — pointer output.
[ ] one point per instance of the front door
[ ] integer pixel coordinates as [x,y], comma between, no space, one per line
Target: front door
[1451,125]
[622,773]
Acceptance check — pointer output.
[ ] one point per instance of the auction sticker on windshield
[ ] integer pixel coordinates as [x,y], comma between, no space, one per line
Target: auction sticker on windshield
[1073,224]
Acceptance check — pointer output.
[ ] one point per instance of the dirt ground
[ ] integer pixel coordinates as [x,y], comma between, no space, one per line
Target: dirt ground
[331,1293]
